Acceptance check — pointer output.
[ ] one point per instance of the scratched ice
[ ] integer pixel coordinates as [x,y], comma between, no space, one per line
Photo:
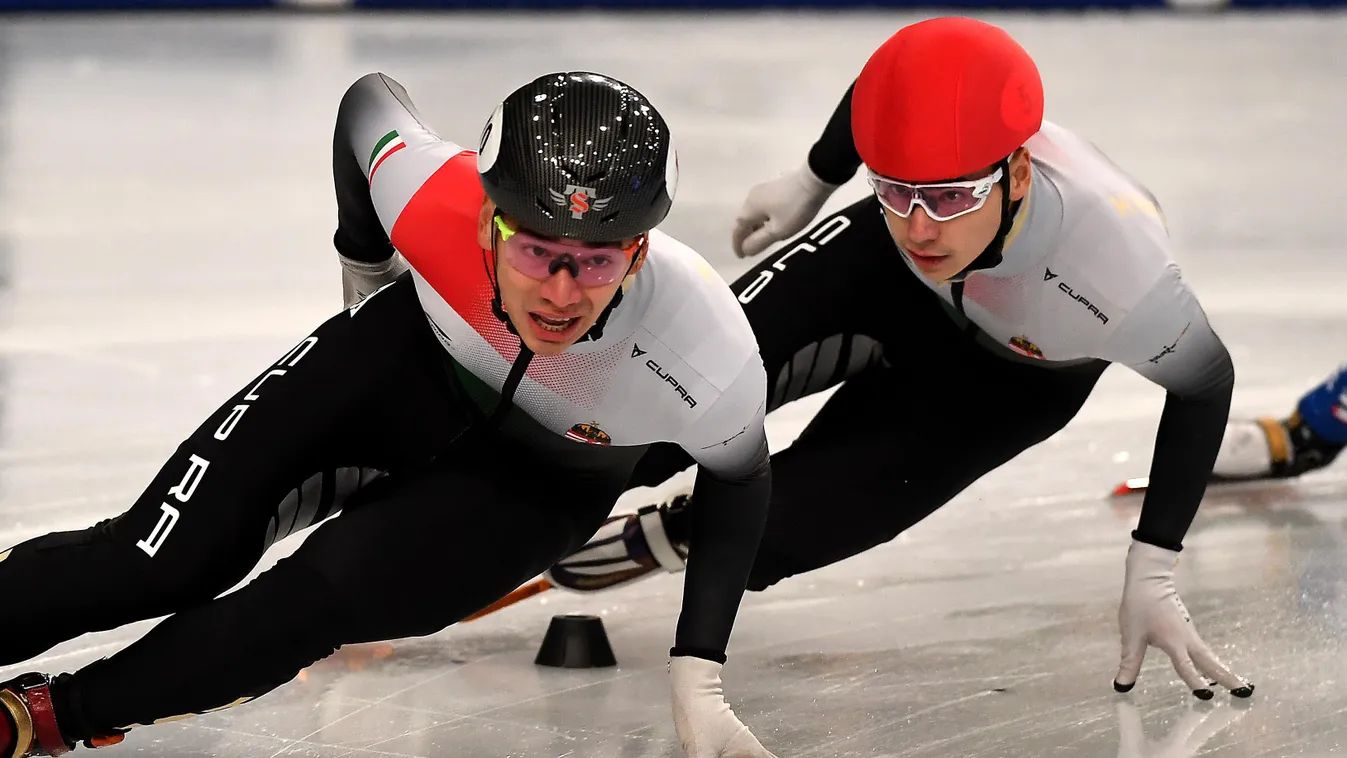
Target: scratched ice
[165,221]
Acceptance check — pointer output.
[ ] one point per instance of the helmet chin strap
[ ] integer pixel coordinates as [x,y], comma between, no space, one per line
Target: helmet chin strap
[991,256]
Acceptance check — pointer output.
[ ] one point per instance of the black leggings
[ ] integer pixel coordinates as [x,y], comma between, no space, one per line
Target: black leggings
[924,411]
[360,417]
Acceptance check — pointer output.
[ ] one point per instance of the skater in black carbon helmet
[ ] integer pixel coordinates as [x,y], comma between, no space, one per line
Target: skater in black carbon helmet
[474,414]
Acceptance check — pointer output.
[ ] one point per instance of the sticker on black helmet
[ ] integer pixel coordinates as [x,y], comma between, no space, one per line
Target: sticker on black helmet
[579,200]
[488,148]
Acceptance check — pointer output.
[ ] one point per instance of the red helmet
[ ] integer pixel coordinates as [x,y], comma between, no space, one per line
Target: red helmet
[944,98]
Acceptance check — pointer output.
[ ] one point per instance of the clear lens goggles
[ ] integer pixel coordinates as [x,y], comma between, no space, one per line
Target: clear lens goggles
[942,202]
[539,258]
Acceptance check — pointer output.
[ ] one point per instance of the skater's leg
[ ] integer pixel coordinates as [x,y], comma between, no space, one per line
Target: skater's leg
[884,453]
[278,456]
[424,552]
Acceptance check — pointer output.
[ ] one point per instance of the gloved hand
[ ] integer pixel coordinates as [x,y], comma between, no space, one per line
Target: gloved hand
[359,279]
[1152,614]
[779,208]
[706,726]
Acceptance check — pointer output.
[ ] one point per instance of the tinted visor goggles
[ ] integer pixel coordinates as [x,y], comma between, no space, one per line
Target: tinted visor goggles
[538,257]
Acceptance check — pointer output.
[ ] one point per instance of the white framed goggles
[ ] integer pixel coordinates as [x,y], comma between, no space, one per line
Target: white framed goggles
[943,201]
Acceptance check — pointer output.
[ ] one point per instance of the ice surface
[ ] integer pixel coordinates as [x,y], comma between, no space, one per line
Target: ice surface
[165,219]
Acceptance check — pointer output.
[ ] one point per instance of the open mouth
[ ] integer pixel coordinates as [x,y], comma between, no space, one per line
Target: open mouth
[926,260]
[552,326]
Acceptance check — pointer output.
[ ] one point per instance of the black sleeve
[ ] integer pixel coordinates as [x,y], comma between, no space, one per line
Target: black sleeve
[833,158]
[360,235]
[1186,444]
[727,521]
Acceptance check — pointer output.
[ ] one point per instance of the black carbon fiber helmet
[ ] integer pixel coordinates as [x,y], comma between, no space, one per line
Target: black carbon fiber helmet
[579,155]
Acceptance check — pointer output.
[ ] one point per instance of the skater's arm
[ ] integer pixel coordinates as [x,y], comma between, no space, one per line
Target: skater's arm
[1168,339]
[833,158]
[727,513]
[379,133]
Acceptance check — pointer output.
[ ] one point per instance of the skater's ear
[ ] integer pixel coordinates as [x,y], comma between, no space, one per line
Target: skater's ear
[485,230]
[1020,174]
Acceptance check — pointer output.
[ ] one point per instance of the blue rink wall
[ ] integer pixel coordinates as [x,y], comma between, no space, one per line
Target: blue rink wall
[665,5]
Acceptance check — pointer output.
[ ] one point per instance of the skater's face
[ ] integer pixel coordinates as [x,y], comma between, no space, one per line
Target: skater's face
[553,290]
[941,249]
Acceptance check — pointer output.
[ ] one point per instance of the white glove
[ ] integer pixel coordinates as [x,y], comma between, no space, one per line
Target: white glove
[359,279]
[1152,614]
[707,728]
[779,208]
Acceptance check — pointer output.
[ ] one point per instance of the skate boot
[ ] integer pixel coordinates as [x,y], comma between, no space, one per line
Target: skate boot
[1266,448]
[626,548]
[28,720]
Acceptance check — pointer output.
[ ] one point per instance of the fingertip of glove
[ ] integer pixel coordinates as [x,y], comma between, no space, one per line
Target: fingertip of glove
[1204,694]
[1245,691]
[1120,687]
